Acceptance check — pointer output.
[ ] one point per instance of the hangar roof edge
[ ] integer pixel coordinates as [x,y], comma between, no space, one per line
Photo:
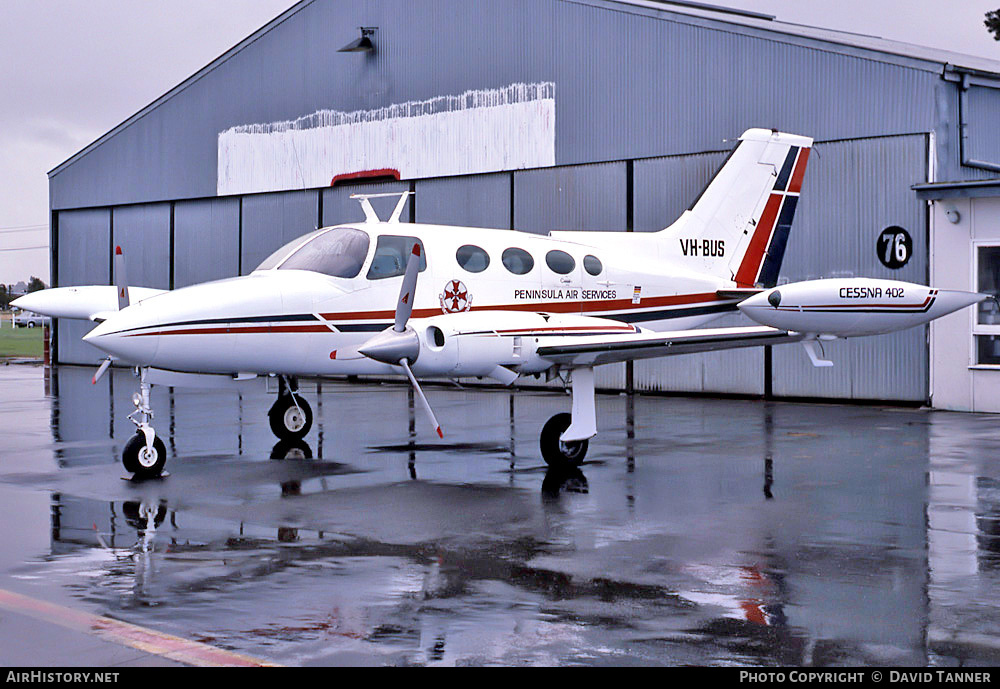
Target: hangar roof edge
[739,17]
[906,53]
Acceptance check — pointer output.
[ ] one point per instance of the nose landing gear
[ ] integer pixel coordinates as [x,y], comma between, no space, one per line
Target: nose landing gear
[144,455]
[290,415]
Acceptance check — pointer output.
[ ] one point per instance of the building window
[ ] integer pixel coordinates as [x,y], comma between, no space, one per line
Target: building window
[986,330]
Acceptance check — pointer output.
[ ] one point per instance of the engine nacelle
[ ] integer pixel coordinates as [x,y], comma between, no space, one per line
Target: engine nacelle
[850,307]
[475,343]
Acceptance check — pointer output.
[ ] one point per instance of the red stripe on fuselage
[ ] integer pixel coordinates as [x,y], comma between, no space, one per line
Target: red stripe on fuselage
[225,330]
[553,307]
[555,330]
[550,307]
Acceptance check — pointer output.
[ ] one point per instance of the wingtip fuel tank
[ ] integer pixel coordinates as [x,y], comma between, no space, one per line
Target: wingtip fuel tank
[852,307]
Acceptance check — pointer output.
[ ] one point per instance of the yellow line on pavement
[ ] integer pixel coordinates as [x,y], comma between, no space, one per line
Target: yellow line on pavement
[147,640]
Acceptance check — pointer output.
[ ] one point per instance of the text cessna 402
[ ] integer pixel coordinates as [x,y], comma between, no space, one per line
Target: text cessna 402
[495,303]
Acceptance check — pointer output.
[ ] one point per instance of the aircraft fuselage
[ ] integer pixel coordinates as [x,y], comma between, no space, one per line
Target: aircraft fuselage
[302,322]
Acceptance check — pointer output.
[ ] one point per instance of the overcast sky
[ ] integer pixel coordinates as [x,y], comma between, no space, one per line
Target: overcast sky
[70,70]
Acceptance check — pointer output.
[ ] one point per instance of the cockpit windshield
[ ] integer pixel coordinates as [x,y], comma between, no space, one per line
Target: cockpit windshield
[338,252]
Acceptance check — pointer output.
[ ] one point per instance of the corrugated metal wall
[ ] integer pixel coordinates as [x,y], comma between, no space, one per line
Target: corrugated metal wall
[206,240]
[630,82]
[143,233]
[854,190]
[84,256]
[583,197]
[270,220]
[473,201]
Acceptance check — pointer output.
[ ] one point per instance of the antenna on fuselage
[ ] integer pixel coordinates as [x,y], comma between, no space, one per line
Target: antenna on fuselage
[371,215]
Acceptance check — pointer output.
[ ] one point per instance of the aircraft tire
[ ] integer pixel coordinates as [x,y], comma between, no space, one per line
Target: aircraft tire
[291,449]
[136,461]
[289,422]
[556,453]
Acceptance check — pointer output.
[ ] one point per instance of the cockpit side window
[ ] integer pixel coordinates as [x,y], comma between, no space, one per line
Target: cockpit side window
[391,254]
[339,253]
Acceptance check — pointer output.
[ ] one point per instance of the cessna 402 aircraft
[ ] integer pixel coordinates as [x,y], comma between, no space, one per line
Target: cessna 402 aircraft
[494,303]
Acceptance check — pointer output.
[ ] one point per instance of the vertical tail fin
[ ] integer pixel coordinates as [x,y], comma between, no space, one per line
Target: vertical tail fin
[738,227]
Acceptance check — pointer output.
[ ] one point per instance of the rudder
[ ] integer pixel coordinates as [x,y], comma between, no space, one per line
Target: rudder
[749,206]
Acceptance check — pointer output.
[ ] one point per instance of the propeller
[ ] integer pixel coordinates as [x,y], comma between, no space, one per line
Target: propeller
[399,345]
[121,289]
[100,371]
[121,284]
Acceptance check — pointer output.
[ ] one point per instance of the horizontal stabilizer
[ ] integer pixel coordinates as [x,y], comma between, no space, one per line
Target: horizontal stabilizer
[737,293]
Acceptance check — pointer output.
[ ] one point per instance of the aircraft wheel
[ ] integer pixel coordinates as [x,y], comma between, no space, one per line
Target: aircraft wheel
[288,421]
[556,453]
[291,449]
[143,463]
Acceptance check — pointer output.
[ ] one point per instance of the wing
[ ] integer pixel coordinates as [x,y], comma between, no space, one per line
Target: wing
[593,350]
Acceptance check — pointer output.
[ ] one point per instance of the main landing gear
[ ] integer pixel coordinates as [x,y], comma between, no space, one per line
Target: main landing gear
[290,415]
[555,452]
[144,455]
[566,437]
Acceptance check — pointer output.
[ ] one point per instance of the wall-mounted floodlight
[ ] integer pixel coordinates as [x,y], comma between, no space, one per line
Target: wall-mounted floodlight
[363,44]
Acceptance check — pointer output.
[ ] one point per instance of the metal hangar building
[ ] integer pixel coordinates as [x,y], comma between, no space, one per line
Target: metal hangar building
[539,115]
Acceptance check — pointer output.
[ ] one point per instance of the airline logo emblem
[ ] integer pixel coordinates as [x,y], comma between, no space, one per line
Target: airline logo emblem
[455,297]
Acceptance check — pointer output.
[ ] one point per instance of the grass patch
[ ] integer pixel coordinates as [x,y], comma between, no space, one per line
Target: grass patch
[20,342]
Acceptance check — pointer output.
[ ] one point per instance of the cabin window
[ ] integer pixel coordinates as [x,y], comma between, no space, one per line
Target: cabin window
[472,258]
[391,254]
[986,330]
[592,265]
[517,261]
[339,252]
[560,262]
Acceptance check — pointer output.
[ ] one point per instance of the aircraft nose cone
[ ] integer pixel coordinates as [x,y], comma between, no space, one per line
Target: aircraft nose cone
[111,339]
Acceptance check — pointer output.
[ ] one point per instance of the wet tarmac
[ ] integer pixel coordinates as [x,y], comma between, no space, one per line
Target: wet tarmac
[698,532]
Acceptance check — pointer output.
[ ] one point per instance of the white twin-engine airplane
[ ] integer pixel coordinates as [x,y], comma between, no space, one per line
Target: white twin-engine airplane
[494,303]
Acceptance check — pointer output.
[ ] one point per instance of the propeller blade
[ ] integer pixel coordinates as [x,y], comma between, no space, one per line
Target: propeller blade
[100,371]
[420,394]
[404,307]
[121,284]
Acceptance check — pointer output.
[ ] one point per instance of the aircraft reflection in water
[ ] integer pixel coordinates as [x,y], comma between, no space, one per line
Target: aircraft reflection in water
[735,552]
[496,304]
